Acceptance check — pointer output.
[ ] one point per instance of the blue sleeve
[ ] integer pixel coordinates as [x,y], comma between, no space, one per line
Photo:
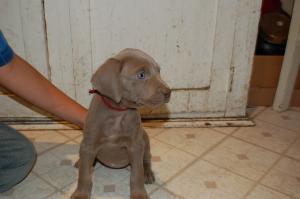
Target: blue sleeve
[6,53]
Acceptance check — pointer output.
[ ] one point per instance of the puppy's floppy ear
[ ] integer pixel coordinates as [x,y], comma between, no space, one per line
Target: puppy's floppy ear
[107,79]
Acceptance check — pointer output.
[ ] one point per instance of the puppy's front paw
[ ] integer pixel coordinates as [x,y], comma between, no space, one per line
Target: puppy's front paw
[149,177]
[80,195]
[141,195]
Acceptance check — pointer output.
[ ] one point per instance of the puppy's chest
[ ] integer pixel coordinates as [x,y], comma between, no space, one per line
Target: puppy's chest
[125,125]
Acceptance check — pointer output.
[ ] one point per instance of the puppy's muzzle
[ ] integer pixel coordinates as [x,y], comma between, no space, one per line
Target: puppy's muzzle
[166,93]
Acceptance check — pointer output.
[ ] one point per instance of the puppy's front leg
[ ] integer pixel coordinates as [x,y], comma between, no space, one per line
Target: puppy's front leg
[87,158]
[148,173]
[136,155]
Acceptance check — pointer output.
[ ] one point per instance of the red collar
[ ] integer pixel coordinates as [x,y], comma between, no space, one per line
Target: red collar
[106,101]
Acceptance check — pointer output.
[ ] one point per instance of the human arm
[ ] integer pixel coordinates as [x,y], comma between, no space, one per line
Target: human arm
[22,79]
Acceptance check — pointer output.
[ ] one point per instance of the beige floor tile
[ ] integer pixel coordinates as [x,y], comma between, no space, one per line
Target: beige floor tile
[163,194]
[120,190]
[114,178]
[97,192]
[46,162]
[109,183]
[110,196]
[254,111]
[44,139]
[285,177]
[71,133]
[153,131]
[267,135]
[242,158]
[295,108]
[167,160]
[226,130]
[61,176]
[57,157]
[104,176]
[192,140]
[288,119]
[204,180]
[79,139]
[32,187]
[171,163]
[158,148]
[173,150]
[57,165]
[123,187]
[69,189]
[68,151]
[57,195]
[294,151]
[262,192]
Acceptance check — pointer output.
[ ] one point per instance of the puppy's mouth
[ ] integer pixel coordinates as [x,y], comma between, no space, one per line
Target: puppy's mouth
[156,101]
[167,99]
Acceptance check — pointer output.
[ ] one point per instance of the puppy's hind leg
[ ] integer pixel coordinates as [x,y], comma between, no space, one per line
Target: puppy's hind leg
[77,163]
[148,173]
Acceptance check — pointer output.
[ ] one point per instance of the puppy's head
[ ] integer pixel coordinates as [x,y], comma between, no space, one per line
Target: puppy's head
[132,78]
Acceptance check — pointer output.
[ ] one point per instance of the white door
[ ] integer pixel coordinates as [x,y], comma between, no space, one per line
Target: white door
[22,23]
[205,48]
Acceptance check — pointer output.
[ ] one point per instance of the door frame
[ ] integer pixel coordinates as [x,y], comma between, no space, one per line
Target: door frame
[290,64]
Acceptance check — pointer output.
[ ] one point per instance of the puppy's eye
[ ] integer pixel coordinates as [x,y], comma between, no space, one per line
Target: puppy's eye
[141,75]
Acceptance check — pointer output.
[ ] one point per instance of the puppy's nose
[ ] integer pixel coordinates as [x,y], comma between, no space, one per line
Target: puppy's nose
[166,92]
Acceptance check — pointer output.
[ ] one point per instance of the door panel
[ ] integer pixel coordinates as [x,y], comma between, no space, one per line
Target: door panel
[70,52]
[22,23]
[247,19]
[205,48]
[178,34]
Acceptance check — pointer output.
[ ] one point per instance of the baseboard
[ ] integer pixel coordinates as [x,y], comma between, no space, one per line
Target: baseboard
[48,123]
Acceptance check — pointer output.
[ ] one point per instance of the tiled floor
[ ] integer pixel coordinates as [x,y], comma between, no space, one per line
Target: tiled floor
[261,162]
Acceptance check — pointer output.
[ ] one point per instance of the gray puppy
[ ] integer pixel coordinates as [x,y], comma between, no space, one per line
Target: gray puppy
[113,132]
